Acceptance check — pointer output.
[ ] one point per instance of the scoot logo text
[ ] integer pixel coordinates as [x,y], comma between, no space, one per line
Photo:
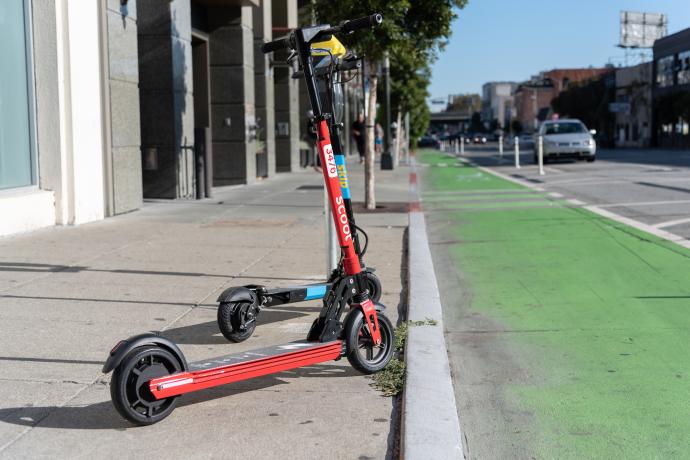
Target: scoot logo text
[342,218]
[330,161]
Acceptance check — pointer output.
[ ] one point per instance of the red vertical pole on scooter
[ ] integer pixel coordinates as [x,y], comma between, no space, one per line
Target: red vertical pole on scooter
[342,223]
[335,196]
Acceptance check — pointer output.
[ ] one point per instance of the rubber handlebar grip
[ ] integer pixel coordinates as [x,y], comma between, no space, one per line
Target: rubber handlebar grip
[275,45]
[362,23]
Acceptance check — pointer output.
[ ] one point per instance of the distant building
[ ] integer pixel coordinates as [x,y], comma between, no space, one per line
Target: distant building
[671,90]
[497,103]
[633,106]
[534,96]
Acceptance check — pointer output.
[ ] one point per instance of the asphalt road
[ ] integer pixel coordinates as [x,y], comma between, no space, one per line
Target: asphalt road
[649,186]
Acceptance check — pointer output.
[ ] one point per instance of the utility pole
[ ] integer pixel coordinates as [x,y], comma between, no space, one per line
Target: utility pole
[386,157]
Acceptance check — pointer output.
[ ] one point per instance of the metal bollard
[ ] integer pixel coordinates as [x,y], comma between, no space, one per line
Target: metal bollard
[462,146]
[500,147]
[457,146]
[540,155]
[517,152]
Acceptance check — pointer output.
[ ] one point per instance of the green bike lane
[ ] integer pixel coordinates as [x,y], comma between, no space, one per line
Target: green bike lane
[568,333]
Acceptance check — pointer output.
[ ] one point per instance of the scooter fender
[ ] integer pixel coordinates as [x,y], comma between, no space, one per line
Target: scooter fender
[122,349]
[238,294]
[380,308]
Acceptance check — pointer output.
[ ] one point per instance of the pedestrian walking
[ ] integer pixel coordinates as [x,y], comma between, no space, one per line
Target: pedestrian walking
[379,138]
[358,133]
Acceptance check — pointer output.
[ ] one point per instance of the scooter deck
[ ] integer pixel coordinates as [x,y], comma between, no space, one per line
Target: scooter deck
[245,365]
[292,294]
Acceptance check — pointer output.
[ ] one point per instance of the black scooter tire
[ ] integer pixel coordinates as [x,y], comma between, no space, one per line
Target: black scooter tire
[374,286]
[226,311]
[129,391]
[354,341]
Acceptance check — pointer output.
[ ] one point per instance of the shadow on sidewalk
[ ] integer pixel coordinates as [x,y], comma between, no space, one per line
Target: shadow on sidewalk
[52,268]
[208,334]
[102,415]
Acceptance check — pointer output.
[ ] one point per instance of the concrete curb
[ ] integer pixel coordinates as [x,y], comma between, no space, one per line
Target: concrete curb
[430,425]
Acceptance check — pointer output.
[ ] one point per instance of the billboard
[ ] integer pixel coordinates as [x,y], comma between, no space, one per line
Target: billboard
[641,30]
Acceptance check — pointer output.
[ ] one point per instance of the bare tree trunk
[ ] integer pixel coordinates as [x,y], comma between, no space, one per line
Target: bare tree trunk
[398,135]
[369,196]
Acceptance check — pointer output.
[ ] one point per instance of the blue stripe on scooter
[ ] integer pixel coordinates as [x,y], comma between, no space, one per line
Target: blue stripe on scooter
[342,175]
[315,292]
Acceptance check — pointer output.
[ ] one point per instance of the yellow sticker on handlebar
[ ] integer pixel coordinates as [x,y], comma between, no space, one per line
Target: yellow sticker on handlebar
[336,48]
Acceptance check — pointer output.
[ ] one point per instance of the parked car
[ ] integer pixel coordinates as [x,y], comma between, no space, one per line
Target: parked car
[568,138]
[526,141]
[479,139]
[428,141]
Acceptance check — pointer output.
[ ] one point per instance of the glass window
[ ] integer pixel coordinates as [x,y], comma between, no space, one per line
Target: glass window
[16,156]
[684,68]
[564,128]
[664,72]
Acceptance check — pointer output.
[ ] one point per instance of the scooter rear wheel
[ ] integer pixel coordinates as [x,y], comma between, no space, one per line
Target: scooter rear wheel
[231,317]
[129,387]
[362,353]
[373,286]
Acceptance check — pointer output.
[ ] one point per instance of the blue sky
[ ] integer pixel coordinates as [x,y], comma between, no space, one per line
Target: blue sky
[513,39]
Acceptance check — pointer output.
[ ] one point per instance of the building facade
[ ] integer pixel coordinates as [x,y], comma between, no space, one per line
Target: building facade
[671,91]
[104,103]
[533,97]
[497,104]
[633,106]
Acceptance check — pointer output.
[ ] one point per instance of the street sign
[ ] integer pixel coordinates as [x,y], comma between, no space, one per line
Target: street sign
[619,107]
[641,30]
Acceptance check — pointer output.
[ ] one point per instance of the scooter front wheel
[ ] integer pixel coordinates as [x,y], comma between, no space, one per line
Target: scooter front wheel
[363,354]
[129,387]
[236,320]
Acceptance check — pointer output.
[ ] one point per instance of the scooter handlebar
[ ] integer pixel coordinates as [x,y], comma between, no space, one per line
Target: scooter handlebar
[276,45]
[362,23]
[366,22]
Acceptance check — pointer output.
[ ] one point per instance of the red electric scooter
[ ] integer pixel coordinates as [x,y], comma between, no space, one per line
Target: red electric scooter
[150,371]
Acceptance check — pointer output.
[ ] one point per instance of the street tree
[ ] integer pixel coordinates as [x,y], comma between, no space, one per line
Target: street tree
[415,29]
[467,103]
[476,124]
[588,101]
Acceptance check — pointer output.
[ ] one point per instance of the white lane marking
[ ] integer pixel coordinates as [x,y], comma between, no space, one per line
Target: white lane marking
[585,182]
[582,182]
[555,195]
[671,223]
[679,240]
[643,203]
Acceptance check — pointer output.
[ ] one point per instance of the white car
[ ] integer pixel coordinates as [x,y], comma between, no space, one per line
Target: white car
[567,138]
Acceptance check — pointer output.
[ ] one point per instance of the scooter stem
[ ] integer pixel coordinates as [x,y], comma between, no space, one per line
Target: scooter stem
[330,174]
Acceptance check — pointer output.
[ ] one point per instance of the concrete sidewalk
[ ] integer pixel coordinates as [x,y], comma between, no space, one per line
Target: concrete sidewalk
[67,295]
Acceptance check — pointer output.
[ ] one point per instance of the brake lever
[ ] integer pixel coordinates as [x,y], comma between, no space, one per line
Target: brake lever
[292,56]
